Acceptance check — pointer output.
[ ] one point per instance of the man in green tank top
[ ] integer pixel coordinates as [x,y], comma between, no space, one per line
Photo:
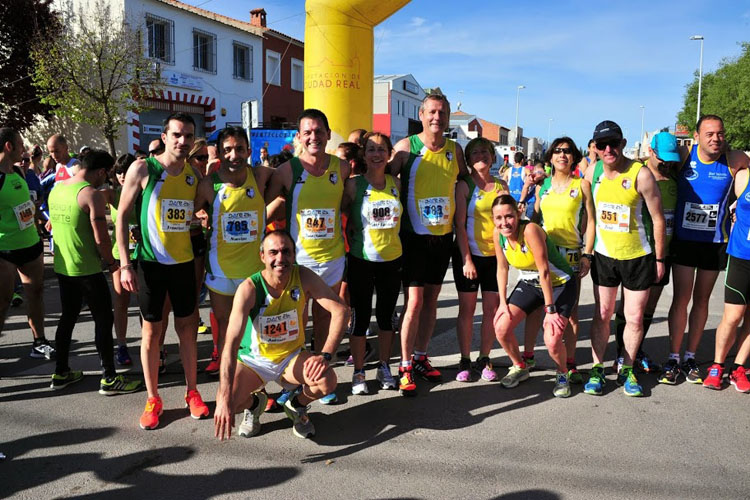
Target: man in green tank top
[21,250]
[78,219]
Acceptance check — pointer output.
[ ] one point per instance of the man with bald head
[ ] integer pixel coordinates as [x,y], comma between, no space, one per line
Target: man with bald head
[66,166]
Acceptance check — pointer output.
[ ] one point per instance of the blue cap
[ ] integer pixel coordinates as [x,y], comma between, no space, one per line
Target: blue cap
[664,145]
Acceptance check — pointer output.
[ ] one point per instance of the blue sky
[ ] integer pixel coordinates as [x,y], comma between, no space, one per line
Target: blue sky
[581,61]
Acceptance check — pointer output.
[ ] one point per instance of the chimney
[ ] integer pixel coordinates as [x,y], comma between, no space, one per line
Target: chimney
[258,17]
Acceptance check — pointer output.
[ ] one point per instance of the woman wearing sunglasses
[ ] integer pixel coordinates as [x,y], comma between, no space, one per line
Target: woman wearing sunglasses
[474,262]
[565,209]
[546,280]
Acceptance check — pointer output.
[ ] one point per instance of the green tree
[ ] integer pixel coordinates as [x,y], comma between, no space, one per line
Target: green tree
[96,70]
[19,20]
[726,92]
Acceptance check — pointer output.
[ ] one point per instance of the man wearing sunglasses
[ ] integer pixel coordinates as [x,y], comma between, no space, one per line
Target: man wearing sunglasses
[628,207]
[702,226]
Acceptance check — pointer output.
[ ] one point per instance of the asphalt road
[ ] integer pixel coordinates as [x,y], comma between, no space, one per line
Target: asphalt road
[455,440]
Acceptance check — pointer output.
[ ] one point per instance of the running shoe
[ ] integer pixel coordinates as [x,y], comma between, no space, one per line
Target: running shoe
[17,300]
[194,402]
[715,373]
[286,394]
[464,371]
[118,385]
[202,327]
[692,373]
[250,425]
[384,377]
[271,403]
[64,380]
[213,366]
[152,412]
[515,376]
[596,382]
[329,399]
[406,385]
[646,364]
[574,376]
[622,376]
[631,387]
[562,386]
[670,373]
[359,383]
[163,361]
[122,356]
[738,378]
[42,350]
[424,368]
[487,372]
[302,427]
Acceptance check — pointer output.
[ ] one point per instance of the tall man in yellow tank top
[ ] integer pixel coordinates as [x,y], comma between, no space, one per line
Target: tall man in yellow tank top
[168,186]
[312,185]
[628,204]
[429,165]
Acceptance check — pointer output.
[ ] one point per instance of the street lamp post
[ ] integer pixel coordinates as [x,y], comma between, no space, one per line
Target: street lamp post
[640,142]
[518,97]
[700,77]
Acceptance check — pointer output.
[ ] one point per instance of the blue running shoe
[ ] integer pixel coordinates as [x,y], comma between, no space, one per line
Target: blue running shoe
[632,387]
[329,399]
[286,395]
[596,381]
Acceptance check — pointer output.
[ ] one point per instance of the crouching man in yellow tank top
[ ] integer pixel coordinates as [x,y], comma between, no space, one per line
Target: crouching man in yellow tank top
[628,207]
[266,336]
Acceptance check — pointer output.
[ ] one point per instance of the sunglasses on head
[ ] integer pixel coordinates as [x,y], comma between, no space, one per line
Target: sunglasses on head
[201,157]
[565,151]
[612,143]
[120,171]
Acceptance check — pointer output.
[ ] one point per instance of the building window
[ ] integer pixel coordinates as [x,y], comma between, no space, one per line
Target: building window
[298,75]
[160,37]
[204,51]
[243,61]
[273,67]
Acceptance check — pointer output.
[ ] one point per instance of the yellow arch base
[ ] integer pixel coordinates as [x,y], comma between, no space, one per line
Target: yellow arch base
[339,60]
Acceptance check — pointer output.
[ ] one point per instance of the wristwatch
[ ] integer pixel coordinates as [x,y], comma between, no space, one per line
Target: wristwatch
[327,356]
[550,309]
[588,256]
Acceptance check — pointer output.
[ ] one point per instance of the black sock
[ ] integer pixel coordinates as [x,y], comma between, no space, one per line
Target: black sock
[735,366]
[255,403]
[296,403]
[40,340]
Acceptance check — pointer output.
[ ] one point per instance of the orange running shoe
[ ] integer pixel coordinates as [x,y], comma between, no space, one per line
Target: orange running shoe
[198,408]
[213,367]
[150,417]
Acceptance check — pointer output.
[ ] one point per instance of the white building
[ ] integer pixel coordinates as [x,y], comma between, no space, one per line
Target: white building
[396,101]
[210,63]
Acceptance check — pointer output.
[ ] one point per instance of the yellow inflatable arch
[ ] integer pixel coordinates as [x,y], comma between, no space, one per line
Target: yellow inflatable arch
[339,60]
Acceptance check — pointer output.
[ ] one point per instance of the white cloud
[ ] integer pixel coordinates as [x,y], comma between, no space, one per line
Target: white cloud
[417,21]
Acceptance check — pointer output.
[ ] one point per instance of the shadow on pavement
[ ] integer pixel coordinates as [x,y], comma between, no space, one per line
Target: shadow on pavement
[381,420]
[529,494]
[132,470]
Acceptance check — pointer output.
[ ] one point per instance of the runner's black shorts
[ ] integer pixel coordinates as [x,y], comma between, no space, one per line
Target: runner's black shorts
[701,255]
[384,279]
[22,256]
[426,258]
[737,281]
[486,273]
[156,280]
[667,271]
[528,297]
[634,274]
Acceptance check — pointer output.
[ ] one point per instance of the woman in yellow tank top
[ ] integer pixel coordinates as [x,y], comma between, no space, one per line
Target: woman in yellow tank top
[474,261]
[564,208]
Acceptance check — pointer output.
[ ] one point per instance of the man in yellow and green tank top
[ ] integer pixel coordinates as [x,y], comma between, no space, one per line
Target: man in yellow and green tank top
[266,342]
[233,198]
[628,207]
[429,165]
[164,256]
[77,216]
[312,185]
[21,250]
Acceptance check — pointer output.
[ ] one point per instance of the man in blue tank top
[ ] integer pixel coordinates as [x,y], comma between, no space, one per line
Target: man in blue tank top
[702,226]
[515,176]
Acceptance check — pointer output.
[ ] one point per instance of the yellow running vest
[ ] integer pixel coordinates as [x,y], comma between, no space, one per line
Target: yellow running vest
[562,213]
[314,213]
[623,223]
[238,216]
[479,225]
